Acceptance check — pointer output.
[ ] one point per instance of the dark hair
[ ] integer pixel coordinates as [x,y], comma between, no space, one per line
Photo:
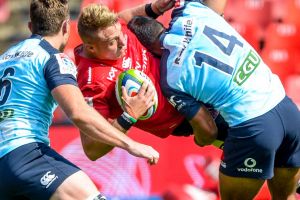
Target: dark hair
[146,29]
[47,16]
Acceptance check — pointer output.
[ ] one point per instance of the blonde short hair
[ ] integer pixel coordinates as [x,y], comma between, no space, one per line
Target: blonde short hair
[94,17]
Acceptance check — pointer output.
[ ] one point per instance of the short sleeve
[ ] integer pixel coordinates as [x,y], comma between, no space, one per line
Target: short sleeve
[183,102]
[60,70]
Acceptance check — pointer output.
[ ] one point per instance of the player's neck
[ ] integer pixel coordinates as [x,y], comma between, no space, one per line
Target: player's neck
[54,41]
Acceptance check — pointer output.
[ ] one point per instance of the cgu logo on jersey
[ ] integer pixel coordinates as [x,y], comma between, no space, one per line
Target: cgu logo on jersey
[250,163]
[48,179]
[247,68]
[188,34]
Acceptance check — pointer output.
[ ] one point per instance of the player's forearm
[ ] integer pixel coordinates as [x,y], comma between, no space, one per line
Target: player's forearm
[96,127]
[128,14]
[157,8]
[94,149]
[87,119]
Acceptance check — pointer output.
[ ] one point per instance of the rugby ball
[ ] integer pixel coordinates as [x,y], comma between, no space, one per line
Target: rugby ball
[132,80]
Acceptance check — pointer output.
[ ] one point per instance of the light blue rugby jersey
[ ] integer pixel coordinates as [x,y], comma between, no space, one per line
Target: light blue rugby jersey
[206,60]
[28,72]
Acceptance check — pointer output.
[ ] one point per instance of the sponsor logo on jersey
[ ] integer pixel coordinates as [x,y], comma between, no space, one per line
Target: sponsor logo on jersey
[250,164]
[89,79]
[127,63]
[66,65]
[177,103]
[112,74]
[223,164]
[48,179]
[247,68]
[188,34]
[145,59]
[138,65]
[7,113]
[18,54]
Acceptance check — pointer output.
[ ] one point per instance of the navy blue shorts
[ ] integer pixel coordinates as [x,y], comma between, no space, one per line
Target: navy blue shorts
[33,171]
[255,147]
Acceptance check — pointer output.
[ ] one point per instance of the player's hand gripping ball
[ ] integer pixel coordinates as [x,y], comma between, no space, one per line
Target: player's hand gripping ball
[132,80]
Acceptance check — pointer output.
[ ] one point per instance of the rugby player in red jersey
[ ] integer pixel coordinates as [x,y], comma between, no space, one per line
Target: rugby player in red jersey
[108,49]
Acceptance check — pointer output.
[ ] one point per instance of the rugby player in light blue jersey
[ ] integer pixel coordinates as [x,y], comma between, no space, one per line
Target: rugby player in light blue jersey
[204,60]
[34,77]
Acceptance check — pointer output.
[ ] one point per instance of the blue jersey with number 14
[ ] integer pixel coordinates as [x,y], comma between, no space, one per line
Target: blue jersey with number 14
[206,60]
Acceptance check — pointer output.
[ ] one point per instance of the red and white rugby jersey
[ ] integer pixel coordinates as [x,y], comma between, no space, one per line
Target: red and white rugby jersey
[97,78]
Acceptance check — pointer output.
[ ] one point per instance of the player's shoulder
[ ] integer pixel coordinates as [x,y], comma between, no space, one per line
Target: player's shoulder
[38,44]
[42,51]
[30,49]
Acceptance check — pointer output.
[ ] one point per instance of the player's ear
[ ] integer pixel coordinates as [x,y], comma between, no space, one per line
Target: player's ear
[66,26]
[90,48]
